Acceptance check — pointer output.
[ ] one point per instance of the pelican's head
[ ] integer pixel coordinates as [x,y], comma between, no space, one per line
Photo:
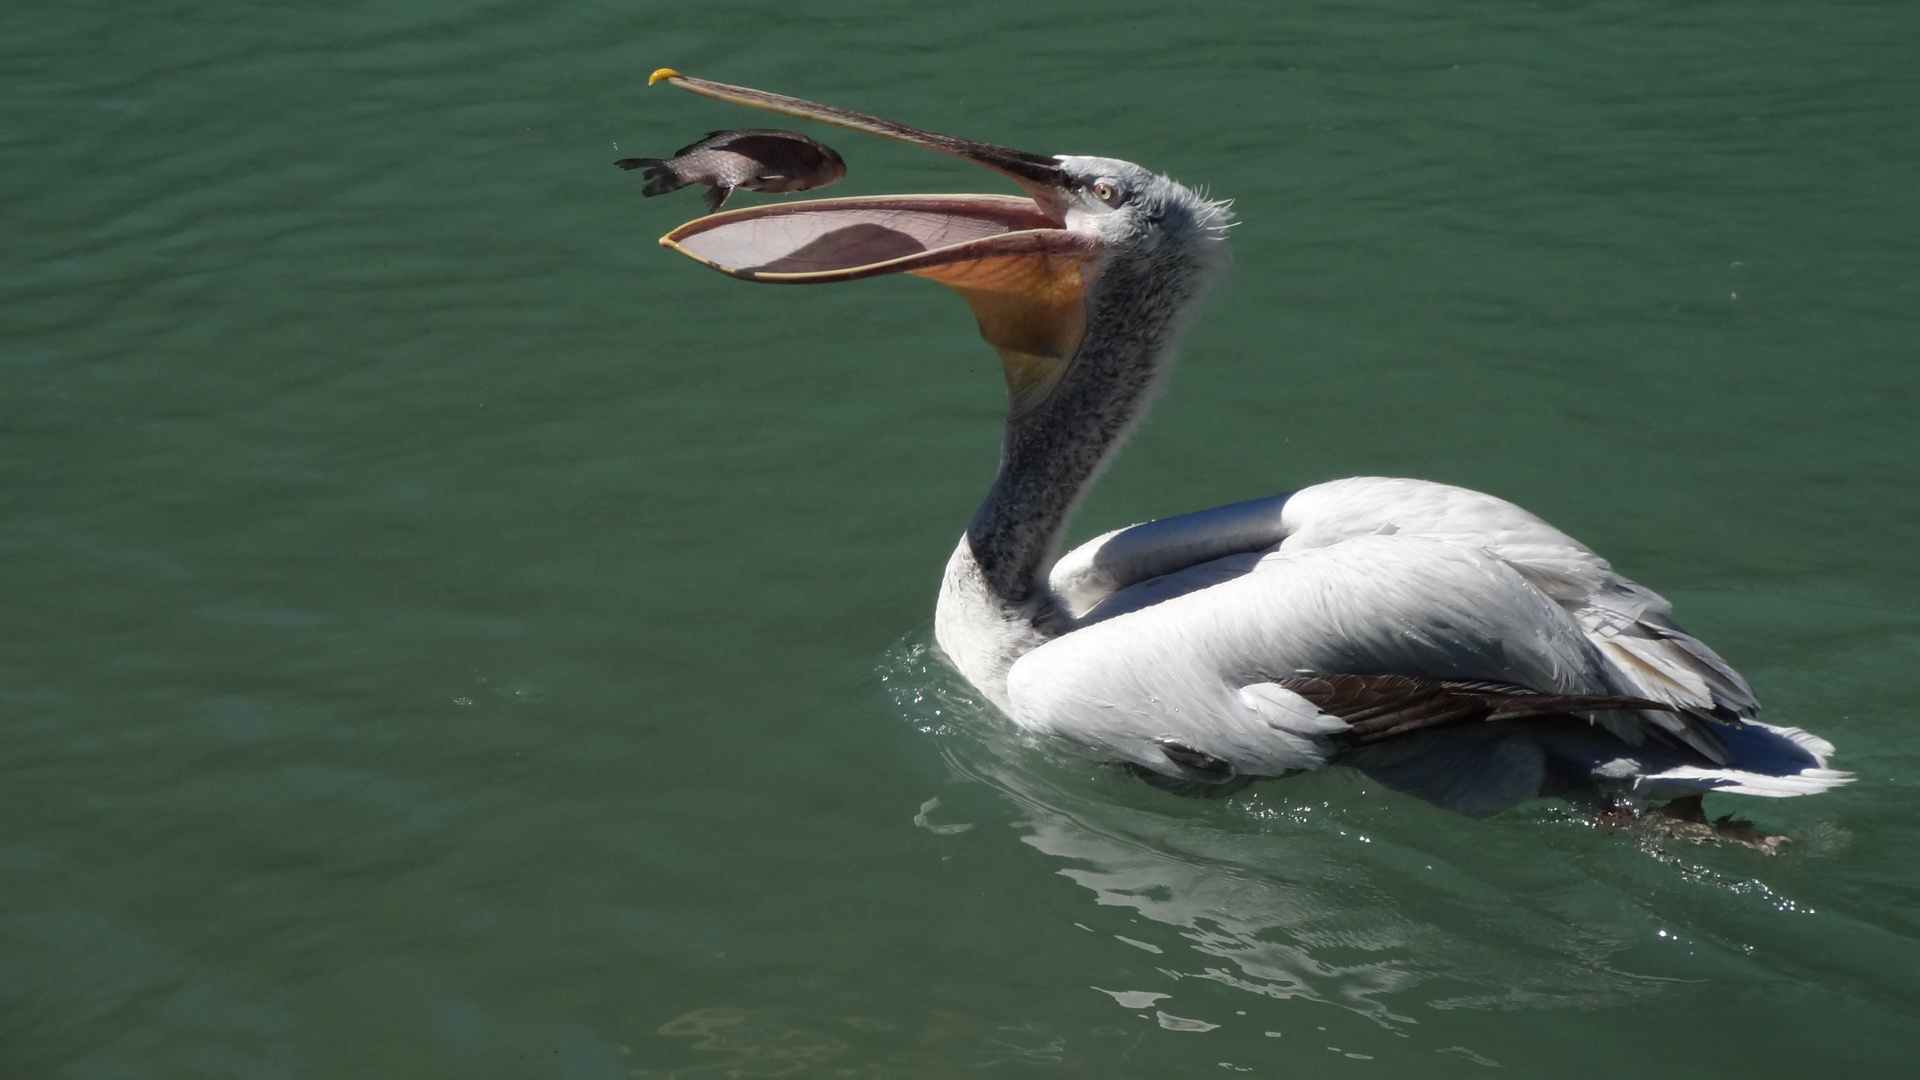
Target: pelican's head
[1032,267]
[1137,214]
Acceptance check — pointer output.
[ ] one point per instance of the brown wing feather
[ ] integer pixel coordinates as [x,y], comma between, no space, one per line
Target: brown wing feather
[1378,707]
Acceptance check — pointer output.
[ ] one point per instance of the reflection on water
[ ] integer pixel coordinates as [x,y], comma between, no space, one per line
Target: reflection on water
[1307,888]
[747,1045]
[741,1043]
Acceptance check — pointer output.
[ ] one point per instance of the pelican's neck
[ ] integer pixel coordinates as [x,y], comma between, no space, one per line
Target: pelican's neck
[1052,452]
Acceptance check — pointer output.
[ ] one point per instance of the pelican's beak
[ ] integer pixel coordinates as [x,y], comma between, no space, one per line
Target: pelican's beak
[1020,270]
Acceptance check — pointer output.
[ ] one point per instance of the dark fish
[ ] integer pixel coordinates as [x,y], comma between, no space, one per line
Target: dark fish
[761,159]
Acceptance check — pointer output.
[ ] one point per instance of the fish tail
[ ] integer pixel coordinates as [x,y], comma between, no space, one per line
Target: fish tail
[660,175]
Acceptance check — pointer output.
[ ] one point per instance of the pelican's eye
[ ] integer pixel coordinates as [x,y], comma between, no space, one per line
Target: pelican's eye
[1107,192]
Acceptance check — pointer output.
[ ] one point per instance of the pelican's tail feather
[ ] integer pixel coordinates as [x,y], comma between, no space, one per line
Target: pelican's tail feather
[1762,759]
[1687,780]
[1485,767]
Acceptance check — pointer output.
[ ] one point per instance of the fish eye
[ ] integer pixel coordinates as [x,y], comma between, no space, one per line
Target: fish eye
[1106,191]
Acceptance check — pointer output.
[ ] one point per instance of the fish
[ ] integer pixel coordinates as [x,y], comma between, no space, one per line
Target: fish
[757,159]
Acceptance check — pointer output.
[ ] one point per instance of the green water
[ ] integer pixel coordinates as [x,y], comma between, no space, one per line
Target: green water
[445,635]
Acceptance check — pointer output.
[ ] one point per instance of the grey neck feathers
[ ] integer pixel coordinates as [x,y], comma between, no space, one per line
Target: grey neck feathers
[1051,454]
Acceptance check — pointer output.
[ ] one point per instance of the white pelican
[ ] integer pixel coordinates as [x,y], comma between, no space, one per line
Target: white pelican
[1447,642]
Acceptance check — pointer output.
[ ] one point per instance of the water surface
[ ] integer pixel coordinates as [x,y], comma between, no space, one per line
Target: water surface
[446,635]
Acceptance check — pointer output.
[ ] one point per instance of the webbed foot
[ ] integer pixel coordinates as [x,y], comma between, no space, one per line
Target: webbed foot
[1686,819]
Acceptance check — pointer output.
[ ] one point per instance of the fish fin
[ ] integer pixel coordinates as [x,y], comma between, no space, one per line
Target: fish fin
[717,196]
[702,143]
[660,175]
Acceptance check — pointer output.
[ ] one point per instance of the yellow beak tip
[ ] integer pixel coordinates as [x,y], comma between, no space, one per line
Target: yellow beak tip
[663,73]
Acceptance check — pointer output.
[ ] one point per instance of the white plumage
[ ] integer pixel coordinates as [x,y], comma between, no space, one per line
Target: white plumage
[1365,576]
[1445,641]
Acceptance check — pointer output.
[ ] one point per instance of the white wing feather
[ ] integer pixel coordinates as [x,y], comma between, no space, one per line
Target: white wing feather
[1645,653]
[1187,668]
[1181,624]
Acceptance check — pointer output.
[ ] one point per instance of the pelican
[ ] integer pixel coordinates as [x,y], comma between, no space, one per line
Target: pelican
[1447,642]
